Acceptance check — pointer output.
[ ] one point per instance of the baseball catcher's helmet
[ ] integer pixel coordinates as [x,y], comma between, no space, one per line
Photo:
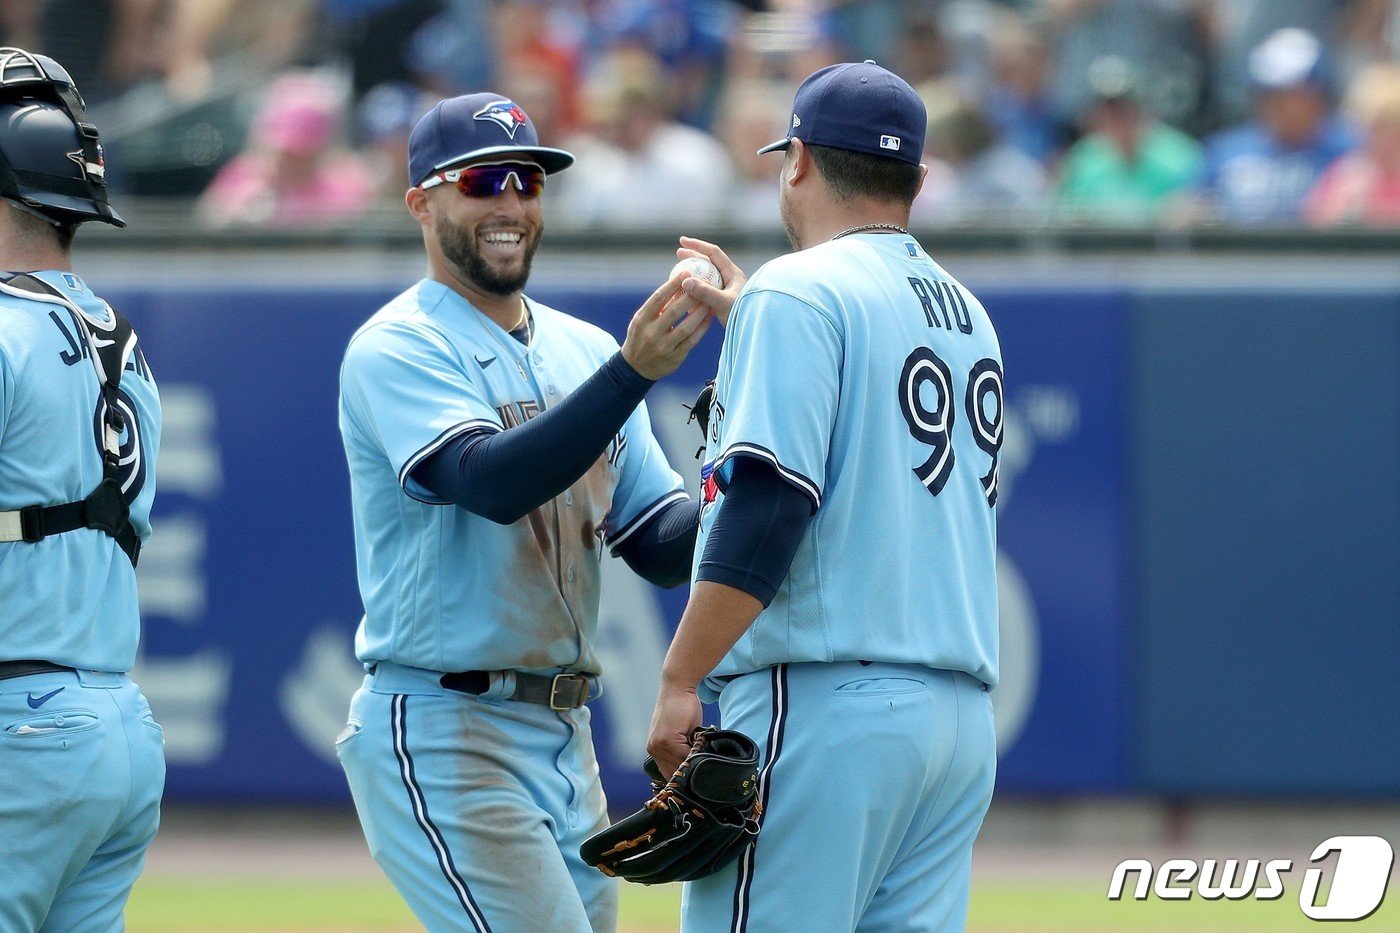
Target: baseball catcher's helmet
[50,158]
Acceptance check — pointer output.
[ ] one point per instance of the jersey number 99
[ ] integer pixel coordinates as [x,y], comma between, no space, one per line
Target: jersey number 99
[933,424]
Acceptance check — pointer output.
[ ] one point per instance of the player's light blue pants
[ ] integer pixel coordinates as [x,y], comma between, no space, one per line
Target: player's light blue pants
[875,780]
[475,806]
[82,769]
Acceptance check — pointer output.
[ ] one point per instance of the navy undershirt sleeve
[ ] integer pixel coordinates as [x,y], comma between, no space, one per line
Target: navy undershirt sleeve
[755,535]
[662,550]
[504,475]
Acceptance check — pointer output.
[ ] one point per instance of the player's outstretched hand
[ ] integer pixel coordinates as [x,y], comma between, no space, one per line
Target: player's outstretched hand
[721,299]
[664,330]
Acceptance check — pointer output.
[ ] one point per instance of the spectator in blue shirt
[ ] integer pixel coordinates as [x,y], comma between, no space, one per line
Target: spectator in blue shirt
[1260,173]
[973,176]
[1018,97]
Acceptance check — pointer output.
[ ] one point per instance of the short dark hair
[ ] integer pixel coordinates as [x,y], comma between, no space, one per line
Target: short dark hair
[860,175]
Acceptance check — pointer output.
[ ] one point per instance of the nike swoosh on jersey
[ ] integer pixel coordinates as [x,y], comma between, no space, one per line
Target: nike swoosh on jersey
[35,703]
[486,362]
[99,342]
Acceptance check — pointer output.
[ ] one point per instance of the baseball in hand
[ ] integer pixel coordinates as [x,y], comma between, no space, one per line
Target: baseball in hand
[701,268]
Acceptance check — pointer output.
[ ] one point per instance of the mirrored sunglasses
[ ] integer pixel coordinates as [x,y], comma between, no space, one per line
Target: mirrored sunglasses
[487,181]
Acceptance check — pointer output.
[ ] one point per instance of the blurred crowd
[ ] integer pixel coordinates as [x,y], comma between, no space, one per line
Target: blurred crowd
[1095,112]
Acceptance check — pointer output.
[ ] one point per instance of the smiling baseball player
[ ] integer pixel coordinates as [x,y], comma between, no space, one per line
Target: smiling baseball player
[495,445]
[82,764]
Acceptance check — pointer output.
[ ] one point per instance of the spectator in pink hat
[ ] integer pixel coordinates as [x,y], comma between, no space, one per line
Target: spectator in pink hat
[293,172]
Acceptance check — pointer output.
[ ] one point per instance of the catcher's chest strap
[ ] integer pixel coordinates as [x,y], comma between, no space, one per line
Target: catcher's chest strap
[107,508]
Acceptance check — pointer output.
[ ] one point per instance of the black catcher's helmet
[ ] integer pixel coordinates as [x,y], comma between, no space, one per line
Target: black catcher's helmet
[50,158]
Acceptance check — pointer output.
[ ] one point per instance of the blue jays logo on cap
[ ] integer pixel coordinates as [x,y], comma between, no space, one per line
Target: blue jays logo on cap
[506,113]
[477,126]
[97,171]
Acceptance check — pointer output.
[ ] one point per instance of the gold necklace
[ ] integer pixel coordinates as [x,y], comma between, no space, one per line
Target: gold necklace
[509,351]
[873,228]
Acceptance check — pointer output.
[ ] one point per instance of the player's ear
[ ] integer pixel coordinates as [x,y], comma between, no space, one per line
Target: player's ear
[923,176]
[418,205]
[797,162]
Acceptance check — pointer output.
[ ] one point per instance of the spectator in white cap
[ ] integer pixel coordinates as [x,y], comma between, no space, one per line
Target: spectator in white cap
[1260,173]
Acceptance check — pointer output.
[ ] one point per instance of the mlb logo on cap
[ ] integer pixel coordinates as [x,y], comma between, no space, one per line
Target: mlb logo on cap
[858,106]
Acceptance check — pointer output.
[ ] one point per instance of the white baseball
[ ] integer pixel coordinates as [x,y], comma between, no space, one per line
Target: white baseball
[701,268]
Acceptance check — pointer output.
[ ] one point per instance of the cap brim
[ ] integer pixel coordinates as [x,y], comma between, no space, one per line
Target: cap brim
[551,160]
[83,208]
[777,146]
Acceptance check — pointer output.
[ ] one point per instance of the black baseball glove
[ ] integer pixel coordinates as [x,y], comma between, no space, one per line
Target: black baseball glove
[700,412]
[695,824]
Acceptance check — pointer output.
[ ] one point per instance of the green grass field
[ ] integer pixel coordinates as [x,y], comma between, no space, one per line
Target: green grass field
[198,905]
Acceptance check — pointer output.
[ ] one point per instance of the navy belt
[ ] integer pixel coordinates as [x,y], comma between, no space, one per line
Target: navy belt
[557,691]
[10,669]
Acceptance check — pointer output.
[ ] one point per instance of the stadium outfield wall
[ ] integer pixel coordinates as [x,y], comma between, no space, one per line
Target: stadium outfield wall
[1199,535]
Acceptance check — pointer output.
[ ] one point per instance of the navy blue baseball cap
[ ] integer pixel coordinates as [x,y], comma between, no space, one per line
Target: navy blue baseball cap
[472,126]
[858,106]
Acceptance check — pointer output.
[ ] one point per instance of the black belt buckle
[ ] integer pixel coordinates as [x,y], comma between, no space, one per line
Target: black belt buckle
[568,691]
[31,523]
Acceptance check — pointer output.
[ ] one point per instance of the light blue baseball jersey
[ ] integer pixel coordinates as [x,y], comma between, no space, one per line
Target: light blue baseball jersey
[71,598]
[445,589]
[872,380]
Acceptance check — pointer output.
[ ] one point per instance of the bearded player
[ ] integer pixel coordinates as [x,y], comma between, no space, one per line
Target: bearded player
[495,446]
